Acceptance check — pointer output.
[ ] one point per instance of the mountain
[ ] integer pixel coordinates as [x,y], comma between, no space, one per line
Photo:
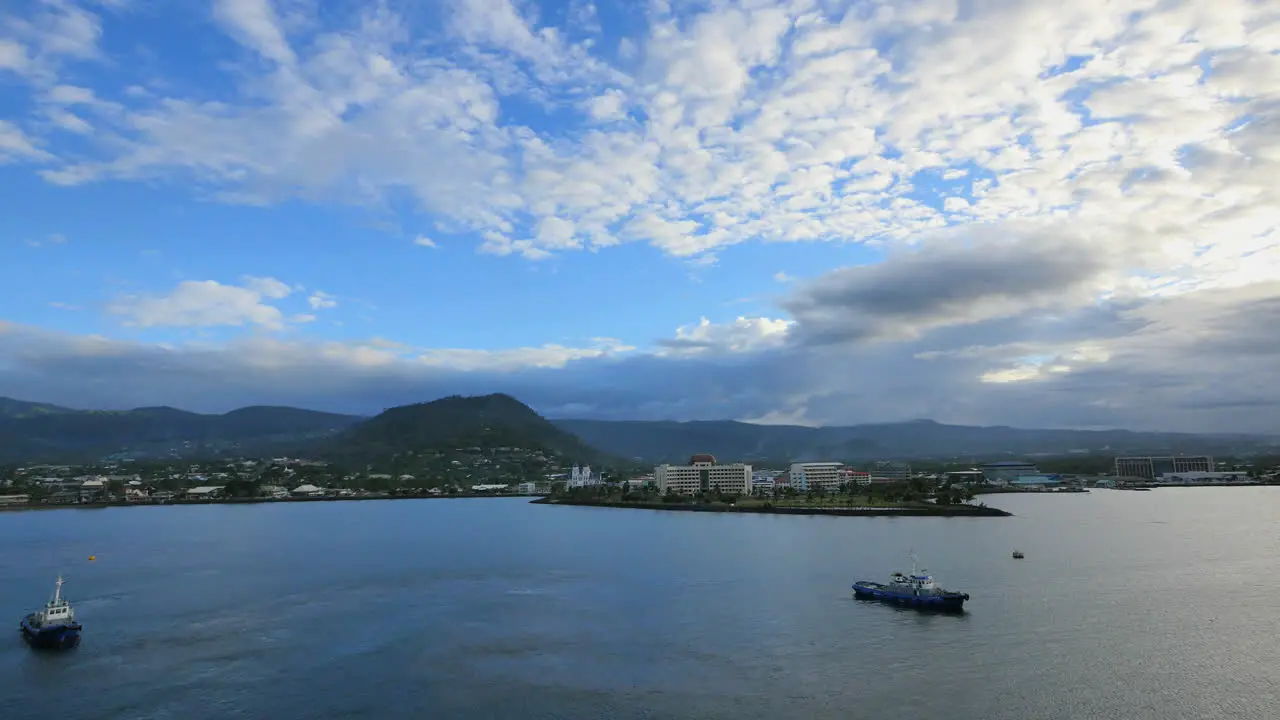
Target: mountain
[32,431]
[13,409]
[38,432]
[917,439]
[486,421]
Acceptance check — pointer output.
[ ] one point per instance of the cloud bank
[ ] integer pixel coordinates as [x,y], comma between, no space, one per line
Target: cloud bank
[1076,203]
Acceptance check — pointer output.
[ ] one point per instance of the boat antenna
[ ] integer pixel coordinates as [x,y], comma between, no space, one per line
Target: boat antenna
[57,591]
[912,552]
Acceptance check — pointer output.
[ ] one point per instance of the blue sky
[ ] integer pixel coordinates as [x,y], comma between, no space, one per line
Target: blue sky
[812,211]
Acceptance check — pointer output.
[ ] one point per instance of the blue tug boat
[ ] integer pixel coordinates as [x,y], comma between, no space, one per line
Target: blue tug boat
[916,590]
[54,627]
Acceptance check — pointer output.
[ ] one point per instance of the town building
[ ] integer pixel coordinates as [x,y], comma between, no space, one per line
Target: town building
[825,476]
[1007,471]
[888,470]
[965,477]
[133,493]
[93,490]
[1152,467]
[205,492]
[856,477]
[1199,477]
[1036,481]
[702,474]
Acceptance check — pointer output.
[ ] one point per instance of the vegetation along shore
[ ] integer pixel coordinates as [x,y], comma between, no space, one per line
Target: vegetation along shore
[768,507]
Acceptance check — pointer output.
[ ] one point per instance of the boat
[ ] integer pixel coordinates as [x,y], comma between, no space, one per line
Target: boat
[917,590]
[54,627]
[1017,555]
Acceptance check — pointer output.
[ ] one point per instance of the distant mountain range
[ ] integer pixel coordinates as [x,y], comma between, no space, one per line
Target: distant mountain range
[32,431]
[918,439]
[39,431]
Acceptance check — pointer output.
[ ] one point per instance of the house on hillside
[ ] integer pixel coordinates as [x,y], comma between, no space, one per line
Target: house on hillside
[94,490]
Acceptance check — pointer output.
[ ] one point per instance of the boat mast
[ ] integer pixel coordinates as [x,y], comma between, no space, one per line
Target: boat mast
[57,591]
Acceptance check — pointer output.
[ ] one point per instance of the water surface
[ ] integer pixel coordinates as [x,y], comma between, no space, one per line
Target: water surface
[1138,605]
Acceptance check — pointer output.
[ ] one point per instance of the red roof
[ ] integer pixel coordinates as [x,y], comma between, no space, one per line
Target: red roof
[701,458]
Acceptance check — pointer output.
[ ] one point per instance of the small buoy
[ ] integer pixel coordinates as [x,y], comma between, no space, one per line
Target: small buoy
[93,557]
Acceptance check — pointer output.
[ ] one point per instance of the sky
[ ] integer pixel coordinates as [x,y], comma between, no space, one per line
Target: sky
[817,212]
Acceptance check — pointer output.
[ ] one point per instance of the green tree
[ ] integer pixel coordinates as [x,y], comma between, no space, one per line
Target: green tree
[239,488]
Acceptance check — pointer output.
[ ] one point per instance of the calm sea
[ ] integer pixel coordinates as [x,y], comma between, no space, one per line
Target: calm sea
[1160,604]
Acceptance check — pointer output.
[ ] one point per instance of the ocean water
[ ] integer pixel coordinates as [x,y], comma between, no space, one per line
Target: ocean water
[1133,605]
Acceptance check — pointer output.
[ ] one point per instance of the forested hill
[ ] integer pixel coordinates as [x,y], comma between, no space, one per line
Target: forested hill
[486,421]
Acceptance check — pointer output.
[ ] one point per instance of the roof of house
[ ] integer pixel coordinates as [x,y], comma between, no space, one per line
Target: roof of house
[205,489]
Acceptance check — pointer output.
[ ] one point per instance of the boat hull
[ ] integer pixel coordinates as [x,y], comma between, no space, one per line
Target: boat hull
[944,601]
[54,637]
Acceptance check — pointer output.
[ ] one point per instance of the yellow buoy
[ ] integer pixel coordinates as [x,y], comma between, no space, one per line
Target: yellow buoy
[93,557]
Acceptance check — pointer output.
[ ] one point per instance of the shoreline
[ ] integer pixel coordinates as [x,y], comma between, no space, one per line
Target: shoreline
[239,501]
[915,511]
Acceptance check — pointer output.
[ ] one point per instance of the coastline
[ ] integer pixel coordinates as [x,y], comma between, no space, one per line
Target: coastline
[239,501]
[913,511]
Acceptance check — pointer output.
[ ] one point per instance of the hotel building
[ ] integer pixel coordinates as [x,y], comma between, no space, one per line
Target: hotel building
[1153,467]
[702,474]
[810,476]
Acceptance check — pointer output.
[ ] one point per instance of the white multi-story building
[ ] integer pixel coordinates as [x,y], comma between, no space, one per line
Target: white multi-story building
[810,476]
[702,474]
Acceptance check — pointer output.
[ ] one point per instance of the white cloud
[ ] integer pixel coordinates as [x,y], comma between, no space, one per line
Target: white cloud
[755,121]
[320,300]
[267,287]
[610,105]
[70,122]
[207,303]
[54,239]
[424,241]
[743,335]
[37,43]
[13,56]
[70,95]
[509,360]
[254,23]
[16,145]
[782,277]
